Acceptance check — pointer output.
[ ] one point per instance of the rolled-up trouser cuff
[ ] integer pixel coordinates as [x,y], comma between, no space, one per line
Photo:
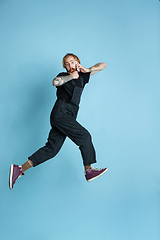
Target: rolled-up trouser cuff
[89,163]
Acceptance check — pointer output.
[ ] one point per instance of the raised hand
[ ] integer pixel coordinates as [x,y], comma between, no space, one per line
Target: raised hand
[81,68]
[75,74]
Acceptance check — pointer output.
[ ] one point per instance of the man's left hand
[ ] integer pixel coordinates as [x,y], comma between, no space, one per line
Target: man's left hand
[81,68]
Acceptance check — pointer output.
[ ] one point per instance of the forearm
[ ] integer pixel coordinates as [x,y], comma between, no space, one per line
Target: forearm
[58,81]
[97,68]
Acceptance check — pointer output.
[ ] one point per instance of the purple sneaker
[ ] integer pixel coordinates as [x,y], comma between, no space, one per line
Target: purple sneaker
[15,173]
[94,173]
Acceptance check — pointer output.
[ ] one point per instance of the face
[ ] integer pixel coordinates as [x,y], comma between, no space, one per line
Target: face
[70,64]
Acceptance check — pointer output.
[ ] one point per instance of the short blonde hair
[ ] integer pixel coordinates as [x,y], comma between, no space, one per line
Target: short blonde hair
[70,55]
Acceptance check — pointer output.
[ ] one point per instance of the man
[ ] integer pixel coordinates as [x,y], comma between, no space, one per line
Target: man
[69,86]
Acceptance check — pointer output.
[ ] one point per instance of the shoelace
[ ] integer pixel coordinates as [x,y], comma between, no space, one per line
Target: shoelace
[96,169]
[21,173]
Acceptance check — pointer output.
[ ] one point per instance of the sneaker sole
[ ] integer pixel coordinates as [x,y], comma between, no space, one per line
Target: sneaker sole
[10,176]
[98,175]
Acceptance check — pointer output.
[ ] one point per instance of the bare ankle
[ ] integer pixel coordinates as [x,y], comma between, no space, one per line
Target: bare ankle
[87,167]
[30,162]
[27,165]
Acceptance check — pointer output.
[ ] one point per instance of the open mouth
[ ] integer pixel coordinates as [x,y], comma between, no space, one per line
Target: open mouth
[73,70]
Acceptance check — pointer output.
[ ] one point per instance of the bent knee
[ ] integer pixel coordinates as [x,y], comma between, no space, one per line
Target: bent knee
[87,137]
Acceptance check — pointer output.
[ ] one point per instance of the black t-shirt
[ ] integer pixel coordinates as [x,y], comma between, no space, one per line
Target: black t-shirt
[65,91]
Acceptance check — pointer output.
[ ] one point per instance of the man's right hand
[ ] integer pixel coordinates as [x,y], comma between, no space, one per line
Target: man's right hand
[75,74]
[59,81]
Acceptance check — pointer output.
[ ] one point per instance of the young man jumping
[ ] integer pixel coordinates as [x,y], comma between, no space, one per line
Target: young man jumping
[69,86]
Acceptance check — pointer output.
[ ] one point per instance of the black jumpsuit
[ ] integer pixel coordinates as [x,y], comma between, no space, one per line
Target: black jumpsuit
[64,124]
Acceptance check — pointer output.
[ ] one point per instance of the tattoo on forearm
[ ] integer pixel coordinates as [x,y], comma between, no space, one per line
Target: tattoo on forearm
[97,65]
[95,68]
[62,80]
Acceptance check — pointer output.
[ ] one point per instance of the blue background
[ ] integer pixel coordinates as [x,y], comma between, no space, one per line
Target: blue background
[120,107]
